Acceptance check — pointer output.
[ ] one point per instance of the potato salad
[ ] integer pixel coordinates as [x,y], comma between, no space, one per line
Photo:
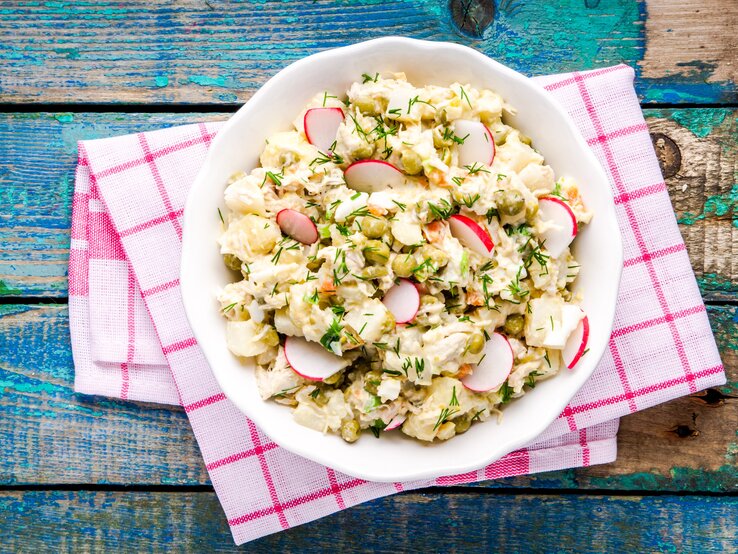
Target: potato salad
[401,261]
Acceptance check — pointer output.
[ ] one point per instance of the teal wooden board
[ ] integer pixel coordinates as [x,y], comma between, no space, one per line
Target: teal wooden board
[114,51]
[38,156]
[49,434]
[76,521]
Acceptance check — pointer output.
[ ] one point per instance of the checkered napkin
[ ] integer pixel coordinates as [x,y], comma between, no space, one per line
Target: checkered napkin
[131,339]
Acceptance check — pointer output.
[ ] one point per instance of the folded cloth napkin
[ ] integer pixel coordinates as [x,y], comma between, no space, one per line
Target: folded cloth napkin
[131,339]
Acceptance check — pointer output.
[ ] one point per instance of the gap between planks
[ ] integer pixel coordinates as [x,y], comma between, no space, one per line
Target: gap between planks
[470,489]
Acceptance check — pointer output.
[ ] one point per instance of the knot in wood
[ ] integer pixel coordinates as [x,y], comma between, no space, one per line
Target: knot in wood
[472,17]
[668,153]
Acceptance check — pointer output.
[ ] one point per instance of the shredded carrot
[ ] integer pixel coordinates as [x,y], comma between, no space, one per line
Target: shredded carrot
[376,210]
[464,370]
[434,231]
[327,286]
[473,298]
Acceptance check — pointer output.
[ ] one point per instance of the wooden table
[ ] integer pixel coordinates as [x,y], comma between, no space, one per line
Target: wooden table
[87,473]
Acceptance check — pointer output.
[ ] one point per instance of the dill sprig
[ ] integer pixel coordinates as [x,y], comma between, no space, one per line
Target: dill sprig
[332,334]
[446,413]
[464,96]
[276,178]
[475,168]
[442,211]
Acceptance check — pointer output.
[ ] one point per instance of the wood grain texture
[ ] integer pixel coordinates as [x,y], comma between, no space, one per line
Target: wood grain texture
[50,435]
[698,149]
[217,51]
[38,156]
[690,41]
[81,521]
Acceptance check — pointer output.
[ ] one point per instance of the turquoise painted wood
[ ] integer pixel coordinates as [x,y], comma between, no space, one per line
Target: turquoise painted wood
[189,51]
[51,435]
[39,156]
[106,54]
[192,522]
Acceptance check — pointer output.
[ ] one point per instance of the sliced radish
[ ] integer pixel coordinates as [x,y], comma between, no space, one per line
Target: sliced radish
[372,175]
[471,235]
[297,225]
[321,126]
[557,213]
[576,344]
[395,422]
[478,146]
[494,368]
[310,360]
[403,301]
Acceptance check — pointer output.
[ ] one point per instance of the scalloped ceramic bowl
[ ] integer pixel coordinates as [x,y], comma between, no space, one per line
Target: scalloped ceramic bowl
[237,147]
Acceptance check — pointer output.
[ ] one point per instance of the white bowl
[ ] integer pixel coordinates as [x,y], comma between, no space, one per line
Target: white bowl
[237,147]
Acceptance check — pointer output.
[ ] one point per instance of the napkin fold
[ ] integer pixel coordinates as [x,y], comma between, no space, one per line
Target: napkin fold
[131,339]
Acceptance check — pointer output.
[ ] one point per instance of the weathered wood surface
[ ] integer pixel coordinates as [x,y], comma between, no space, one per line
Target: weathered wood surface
[213,51]
[84,521]
[53,436]
[699,148]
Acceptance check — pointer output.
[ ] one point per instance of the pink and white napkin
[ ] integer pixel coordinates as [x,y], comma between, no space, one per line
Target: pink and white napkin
[131,339]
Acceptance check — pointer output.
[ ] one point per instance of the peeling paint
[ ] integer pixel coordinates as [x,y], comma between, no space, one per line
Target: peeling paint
[6,290]
[700,121]
[161,80]
[205,81]
[715,206]
[64,117]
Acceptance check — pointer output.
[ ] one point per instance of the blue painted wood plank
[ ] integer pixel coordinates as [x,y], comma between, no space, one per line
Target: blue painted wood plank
[50,435]
[414,522]
[38,156]
[192,51]
[38,153]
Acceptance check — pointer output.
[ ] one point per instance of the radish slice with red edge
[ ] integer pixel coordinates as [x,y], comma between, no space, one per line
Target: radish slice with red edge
[471,235]
[494,368]
[372,175]
[321,126]
[310,360]
[557,212]
[403,301]
[576,344]
[395,422]
[297,225]
[478,146]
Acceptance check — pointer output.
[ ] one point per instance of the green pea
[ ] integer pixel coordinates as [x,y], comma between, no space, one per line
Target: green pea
[411,162]
[319,398]
[374,227]
[363,151]
[514,324]
[376,252]
[437,256]
[403,265]
[365,104]
[475,344]
[462,425]
[509,202]
[350,430]
[334,379]
[372,381]
[374,272]
[232,262]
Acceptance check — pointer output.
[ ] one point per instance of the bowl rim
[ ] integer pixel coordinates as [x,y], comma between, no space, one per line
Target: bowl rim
[187,256]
